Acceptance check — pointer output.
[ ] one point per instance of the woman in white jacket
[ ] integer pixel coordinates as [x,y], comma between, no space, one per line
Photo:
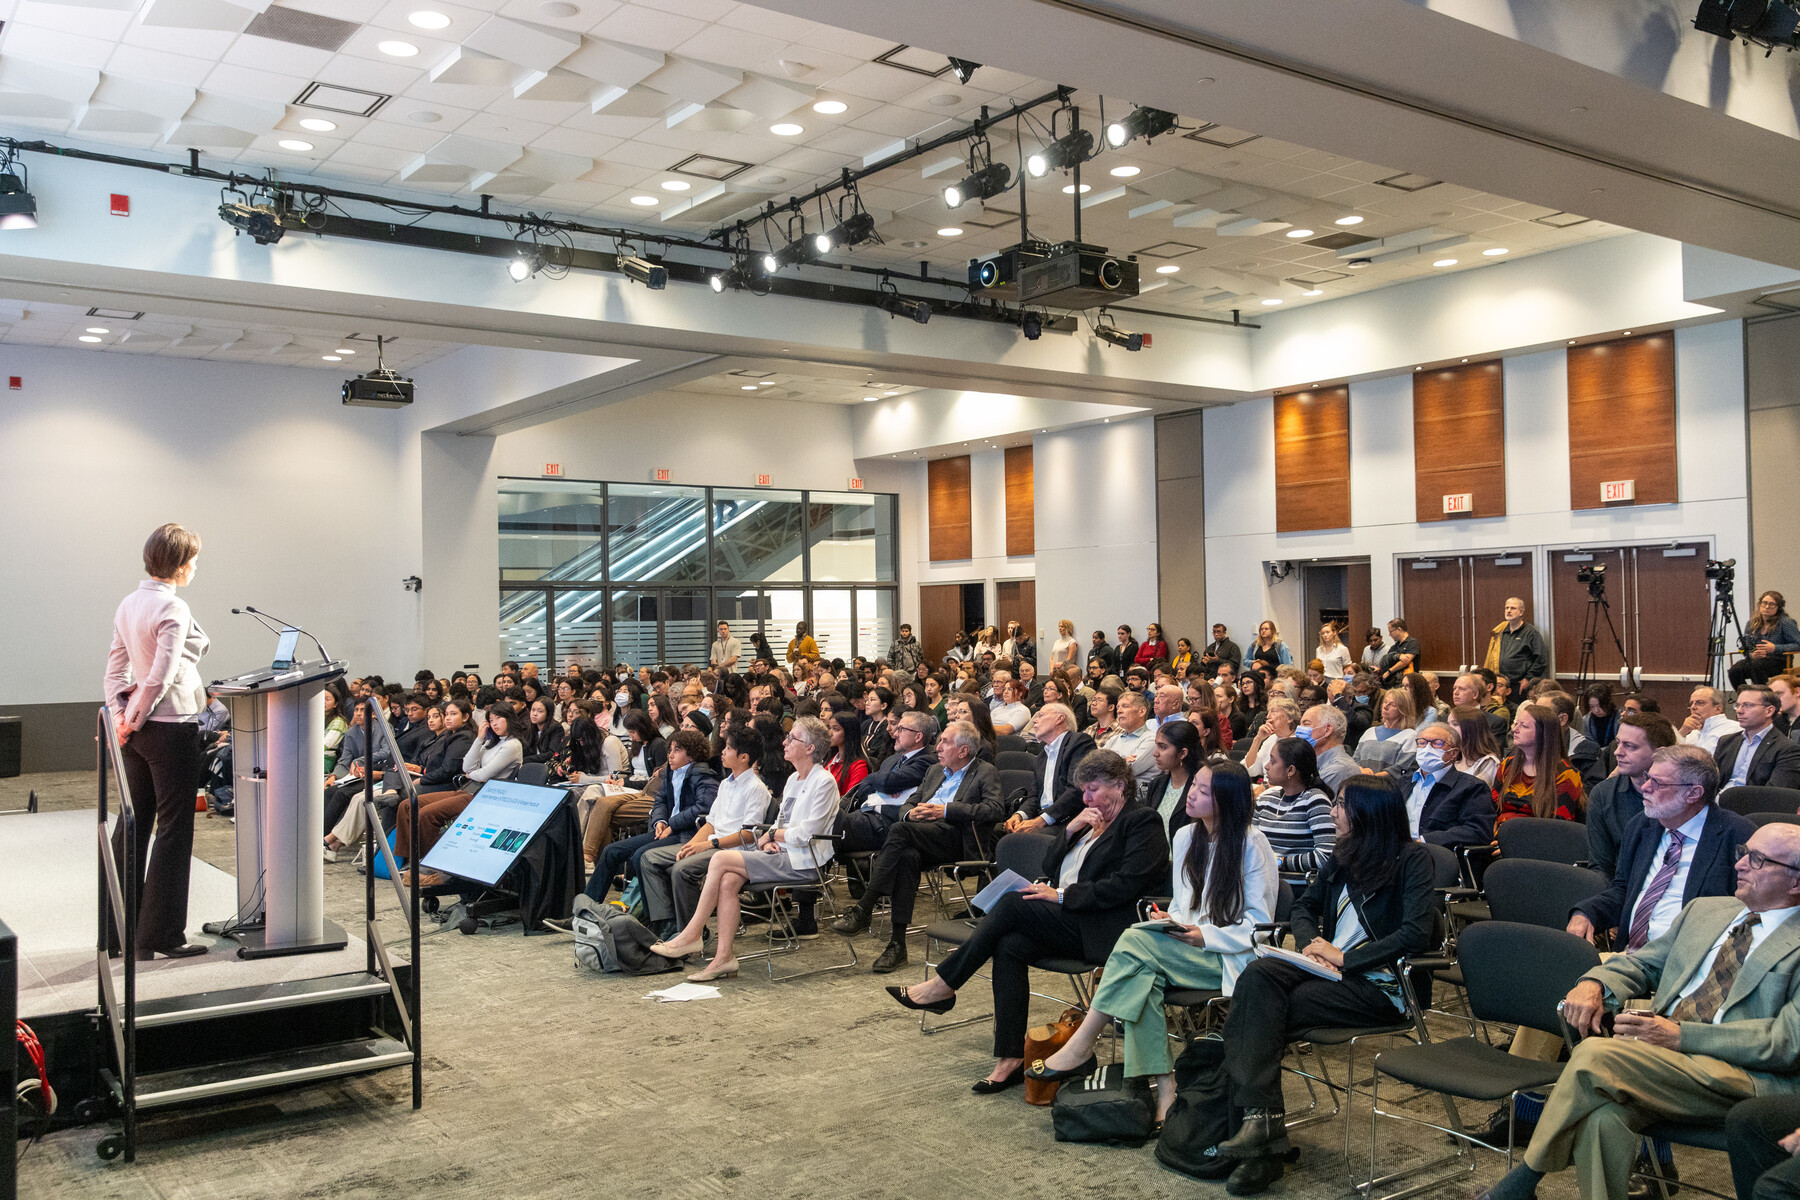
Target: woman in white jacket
[496,754]
[1225,885]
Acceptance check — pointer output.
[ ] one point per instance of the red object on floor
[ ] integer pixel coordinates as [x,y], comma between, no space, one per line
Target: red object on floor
[200,802]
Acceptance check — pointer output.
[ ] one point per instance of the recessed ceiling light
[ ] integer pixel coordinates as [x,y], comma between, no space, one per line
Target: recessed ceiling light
[559,9]
[1167,269]
[1299,233]
[645,201]
[1069,189]
[1358,264]
[914,244]
[748,387]
[785,129]
[1571,341]
[331,358]
[341,350]
[866,399]
[890,393]
[98,329]
[426,18]
[1125,172]
[1444,262]
[949,231]
[1627,333]
[1494,251]
[425,117]
[294,144]
[765,383]
[317,124]
[1314,292]
[1418,368]
[830,108]
[88,338]
[676,185]
[398,49]
[1272,301]
[1465,360]
[1350,220]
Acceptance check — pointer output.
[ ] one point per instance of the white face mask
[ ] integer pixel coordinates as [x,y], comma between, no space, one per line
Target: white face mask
[1431,760]
[622,698]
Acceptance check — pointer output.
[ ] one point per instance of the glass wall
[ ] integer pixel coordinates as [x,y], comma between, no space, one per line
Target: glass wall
[594,573]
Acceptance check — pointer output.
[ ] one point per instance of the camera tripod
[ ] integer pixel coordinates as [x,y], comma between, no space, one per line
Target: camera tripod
[1598,609]
[1724,623]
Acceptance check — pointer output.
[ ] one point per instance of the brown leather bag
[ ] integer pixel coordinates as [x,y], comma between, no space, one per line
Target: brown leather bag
[1041,1043]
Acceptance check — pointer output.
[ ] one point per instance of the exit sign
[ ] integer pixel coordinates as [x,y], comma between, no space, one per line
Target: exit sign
[856,485]
[762,481]
[662,475]
[1618,489]
[553,470]
[1461,502]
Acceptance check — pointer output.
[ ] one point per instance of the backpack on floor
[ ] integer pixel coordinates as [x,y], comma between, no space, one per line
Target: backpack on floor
[1104,1107]
[614,942]
[1201,1116]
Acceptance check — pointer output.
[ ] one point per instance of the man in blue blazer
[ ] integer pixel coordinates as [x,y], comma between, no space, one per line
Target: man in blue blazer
[1447,807]
[1684,846]
[870,810]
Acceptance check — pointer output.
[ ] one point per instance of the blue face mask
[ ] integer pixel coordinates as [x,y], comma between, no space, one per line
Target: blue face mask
[1363,700]
[1305,734]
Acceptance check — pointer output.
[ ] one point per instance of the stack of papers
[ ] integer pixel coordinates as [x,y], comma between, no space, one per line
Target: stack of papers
[1320,969]
[684,991]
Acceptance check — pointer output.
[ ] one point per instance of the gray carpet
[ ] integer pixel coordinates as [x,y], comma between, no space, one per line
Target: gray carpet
[542,1080]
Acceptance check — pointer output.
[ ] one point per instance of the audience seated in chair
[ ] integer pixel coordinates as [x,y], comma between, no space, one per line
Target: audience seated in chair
[1108,856]
[1758,754]
[681,794]
[1445,806]
[495,755]
[1614,806]
[1294,811]
[1058,799]
[1536,781]
[870,810]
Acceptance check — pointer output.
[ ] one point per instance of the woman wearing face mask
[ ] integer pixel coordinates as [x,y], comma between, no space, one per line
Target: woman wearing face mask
[1225,885]
[1294,812]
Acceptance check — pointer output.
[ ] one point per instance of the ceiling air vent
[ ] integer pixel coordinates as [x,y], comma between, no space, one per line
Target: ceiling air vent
[298,28]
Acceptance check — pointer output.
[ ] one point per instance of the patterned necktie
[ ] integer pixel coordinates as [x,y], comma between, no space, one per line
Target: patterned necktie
[1653,892]
[1706,1000]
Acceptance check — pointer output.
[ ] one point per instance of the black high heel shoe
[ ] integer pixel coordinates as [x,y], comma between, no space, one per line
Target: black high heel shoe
[935,1007]
[988,1087]
[1047,1074]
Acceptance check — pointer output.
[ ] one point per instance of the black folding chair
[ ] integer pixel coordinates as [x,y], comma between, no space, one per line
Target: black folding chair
[1019,760]
[1748,800]
[1760,819]
[1210,1001]
[1545,838]
[1531,892]
[1014,743]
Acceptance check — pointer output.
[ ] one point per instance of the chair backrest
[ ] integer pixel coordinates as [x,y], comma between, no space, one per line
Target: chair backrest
[1014,782]
[1284,902]
[1019,760]
[1239,749]
[1760,819]
[1518,974]
[534,773]
[1013,742]
[1544,838]
[1024,853]
[1747,800]
[1529,891]
[1446,869]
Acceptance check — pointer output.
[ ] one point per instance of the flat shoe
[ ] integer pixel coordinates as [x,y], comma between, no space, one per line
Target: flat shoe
[1045,1074]
[678,949]
[989,1087]
[725,970]
[936,1007]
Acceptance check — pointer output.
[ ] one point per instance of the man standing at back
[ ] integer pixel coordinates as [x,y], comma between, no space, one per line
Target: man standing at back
[905,654]
[1517,649]
[726,650]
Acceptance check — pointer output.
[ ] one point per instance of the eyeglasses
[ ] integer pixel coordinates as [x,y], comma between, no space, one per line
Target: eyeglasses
[1758,859]
[1652,785]
[1338,802]
[1436,743]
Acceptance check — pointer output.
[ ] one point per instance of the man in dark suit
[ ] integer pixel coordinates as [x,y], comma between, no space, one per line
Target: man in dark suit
[1220,650]
[1757,755]
[870,810]
[1684,846]
[1445,806]
[1058,798]
[948,821]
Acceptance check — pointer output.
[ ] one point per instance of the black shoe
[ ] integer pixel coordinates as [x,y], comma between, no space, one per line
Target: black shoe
[1213,1165]
[184,950]
[1046,1074]
[891,958]
[1494,1132]
[936,1007]
[853,922]
[1643,1179]
[1253,1176]
[1263,1133]
[806,925]
[988,1087]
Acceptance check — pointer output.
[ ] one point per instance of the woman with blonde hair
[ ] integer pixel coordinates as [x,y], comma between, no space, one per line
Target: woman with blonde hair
[1394,740]
[1332,654]
[1268,648]
[1065,650]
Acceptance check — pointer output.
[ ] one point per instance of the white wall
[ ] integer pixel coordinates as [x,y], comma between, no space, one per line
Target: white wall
[1096,526]
[294,496]
[1240,482]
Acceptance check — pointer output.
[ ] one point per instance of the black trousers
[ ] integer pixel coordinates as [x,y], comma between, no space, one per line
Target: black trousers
[911,846]
[1760,1168]
[865,830]
[1272,1003]
[165,763]
[1014,934]
[1758,668]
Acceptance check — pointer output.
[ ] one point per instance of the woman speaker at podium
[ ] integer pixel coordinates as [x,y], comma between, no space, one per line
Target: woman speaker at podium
[153,687]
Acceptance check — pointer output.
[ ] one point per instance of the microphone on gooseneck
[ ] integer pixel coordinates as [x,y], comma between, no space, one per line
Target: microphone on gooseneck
[251,612]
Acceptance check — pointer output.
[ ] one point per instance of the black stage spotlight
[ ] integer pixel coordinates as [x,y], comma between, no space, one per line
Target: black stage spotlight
[18,207]
[730,279]
[525,264]
[1139,123]
[1118,337]
[1032,326]
[983,184]
[1771,24]
[853,230]
[654,276]
[964,70]
[1073,147]
[900,306]
[258,220]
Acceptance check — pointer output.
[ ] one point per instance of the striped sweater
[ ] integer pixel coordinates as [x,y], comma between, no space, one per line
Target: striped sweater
[1299,828]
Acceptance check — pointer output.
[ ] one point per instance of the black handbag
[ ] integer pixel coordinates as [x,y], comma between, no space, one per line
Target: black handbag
[1201,1116]
[1104,1107]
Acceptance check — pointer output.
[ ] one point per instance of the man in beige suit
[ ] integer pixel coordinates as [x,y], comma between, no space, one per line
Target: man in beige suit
[1723,1026]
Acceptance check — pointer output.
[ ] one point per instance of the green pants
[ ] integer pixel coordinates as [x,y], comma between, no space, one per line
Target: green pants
[1143,966]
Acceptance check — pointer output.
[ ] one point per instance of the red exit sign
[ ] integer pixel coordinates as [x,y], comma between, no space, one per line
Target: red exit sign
[662,475]
[1461,502]
[762,481]
[554,470]
[1617,490]
[856,485]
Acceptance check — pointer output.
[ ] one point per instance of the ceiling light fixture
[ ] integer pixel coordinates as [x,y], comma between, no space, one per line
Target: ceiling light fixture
[1313,292]
[853,230]
[964,70]
[427,18]
[1772,24]
[1124,172]
[1358,264]
[317,124]
[1143,123]
[786,129]
[676,185]
[867,399]
[1272,301]
[1299,233]
[331,358]
[341,350]
[950,231]
[84,337]
[1349,220]
[294,144]
[748,387]
[1167,269]
[1444,262]
[654,276]
[1494,251]
[1031,324]
[18,207]
[98,329]
[525,264]
[980,184]
[1114,336]
[1075,146]
[1070,189]
[645,201]
[260,221]
[398,49]
[830,108]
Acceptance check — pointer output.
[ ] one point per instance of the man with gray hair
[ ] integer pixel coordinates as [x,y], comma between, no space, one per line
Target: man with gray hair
[1134,737]
[949,820]
[1706,720]
[1168,704]
[1324,726]
[872,807]
[1058,798]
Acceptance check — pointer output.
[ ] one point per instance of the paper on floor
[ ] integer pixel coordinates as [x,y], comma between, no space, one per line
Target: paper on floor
[684,991]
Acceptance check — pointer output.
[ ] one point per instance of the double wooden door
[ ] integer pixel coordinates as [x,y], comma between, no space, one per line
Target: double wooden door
[1451,603]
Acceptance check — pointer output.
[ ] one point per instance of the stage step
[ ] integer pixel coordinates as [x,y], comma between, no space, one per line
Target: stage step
[188,1084]
[231,1002]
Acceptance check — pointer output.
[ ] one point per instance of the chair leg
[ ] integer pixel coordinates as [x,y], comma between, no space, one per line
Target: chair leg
[926,1029]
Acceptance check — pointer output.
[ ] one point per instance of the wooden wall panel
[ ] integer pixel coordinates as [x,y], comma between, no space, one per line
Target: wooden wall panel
[1021,536]
[940,616]
[1016,600]
[1622,420]
[1459,440]
[947,500]
[1312,460]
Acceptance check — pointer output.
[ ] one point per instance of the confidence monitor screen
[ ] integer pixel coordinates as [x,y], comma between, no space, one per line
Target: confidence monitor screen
[489,834]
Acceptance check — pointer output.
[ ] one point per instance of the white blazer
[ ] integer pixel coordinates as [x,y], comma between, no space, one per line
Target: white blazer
[807,807]
[153,669]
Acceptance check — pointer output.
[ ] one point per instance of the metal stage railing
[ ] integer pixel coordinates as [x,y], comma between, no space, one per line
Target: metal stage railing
[118,926]
[374,843]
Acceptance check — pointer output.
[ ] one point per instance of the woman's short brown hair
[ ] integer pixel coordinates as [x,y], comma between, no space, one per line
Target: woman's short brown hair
[170,548]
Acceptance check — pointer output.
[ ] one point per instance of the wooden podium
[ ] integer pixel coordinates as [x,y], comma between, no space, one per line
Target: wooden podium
[278,765]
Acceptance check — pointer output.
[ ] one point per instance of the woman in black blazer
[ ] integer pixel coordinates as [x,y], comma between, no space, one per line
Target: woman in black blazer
[645,749]
[1107,857]
[442,761]
[1370,904]
[546,736]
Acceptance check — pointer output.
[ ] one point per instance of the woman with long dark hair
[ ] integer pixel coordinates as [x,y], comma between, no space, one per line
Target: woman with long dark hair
[1776,636]
[1294,812]
[1179,757]
[1370,905]
[544,736]
[1602,716]
[974,710]
[1253,700]
[495,754]
[1480,754]
[1537,781]
[847,764]
[1225,885]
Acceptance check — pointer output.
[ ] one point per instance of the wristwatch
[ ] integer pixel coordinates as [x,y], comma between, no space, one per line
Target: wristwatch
[714,839]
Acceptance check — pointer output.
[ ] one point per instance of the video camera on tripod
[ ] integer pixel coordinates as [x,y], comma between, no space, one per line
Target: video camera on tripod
[1594,575]
[1598,610]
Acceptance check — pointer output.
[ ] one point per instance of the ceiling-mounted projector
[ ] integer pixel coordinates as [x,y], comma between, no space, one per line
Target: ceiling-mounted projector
[1077,275]
[378,389]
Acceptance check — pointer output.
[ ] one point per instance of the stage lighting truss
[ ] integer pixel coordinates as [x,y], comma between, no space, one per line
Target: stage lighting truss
[1772,24]
[18,207]
[1069,150]
[652,275]
[854,225]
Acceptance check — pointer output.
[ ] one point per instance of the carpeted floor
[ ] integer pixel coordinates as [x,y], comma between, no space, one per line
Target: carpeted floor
[543,1080]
